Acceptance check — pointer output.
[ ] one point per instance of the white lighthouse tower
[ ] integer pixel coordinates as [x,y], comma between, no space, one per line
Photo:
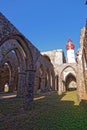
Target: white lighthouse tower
[70,52]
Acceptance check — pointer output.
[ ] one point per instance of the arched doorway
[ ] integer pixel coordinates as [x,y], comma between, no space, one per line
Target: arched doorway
[67,77]
[70,82]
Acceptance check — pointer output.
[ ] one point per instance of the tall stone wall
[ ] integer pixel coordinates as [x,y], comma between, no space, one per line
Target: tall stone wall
[56,56]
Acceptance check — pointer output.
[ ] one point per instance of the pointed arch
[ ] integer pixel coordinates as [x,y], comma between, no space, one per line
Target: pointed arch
[21,46]
[24,46]
[70,82]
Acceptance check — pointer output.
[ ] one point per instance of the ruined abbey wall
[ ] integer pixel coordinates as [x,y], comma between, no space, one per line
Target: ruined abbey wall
[28,71]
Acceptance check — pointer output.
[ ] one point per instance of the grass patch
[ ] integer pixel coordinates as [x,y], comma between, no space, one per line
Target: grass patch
[50,112]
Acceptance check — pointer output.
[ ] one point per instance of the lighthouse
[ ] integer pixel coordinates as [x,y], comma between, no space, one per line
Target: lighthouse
[70,52]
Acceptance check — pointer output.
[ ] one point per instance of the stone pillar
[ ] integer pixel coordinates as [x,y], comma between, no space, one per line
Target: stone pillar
[16,81]
[11,84]
[29,88]
[21,84]
[48,82]
[56,82]
[36,84]
[53,83]
[43,84]
[63,86]
[60,86]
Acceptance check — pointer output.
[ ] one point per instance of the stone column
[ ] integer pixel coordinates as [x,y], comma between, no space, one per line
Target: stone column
[63,86]
[36,84]
[21,84]
[48,82]
[11,84]
[29,88]
[53,83]
[60,86]
[42,84]
[56,82]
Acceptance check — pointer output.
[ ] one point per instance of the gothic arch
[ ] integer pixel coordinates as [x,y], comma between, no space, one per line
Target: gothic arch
[21,46]
[12,62]
[70,82]
[67,70]
[45,76]
[67,66]
[24,46]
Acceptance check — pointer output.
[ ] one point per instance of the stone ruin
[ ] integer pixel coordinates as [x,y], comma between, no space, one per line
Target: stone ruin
[23,68]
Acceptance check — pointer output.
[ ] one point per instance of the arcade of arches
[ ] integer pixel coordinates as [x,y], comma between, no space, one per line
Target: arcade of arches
[25,70]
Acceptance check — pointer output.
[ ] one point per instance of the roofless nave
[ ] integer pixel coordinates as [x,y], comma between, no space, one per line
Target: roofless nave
[25,70]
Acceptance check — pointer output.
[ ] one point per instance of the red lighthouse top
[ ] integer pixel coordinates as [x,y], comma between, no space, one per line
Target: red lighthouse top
[70,45]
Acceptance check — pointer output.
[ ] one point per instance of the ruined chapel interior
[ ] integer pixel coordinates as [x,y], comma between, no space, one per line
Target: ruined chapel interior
[27,71]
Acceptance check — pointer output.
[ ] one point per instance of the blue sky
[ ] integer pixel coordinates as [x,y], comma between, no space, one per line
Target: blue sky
[47,23]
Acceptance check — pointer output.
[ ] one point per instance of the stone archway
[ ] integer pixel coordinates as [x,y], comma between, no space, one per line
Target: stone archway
[70,82]
[11,60]
[70,71]
[26,70]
